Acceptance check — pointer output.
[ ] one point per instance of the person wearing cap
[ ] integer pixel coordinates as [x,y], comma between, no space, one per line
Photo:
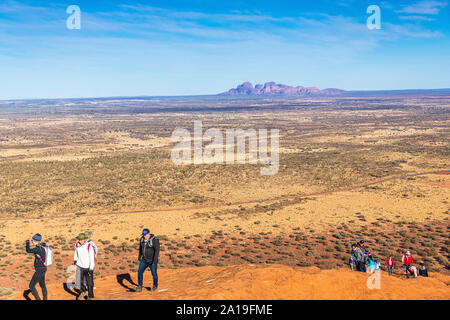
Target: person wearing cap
[365,253]
[148,258]
[84,258]
[39,267]
[370,264]
[363,247]
[79,282]
[359,257]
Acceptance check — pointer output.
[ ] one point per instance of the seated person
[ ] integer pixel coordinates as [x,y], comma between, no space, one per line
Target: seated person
[423,271]
[411,270]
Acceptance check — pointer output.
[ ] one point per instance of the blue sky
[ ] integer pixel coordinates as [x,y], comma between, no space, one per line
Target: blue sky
[182,47]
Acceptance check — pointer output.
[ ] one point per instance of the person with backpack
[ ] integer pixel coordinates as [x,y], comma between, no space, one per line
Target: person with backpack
[365,252]
[79,282]
[363,247]
[390,264]
[148,258]
[84,258]
[359,258]
[407,260]
[370,264]
[42,258]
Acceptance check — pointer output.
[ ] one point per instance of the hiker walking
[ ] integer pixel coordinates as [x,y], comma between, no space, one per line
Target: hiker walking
[79,281]
[40,265]
[407,260]
[148,258]
[364,252]
[359,258]
[370,264]
[84,258]
[390,264]
[352,259]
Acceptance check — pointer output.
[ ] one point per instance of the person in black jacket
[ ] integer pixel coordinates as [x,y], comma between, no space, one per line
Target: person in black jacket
[40,268]
[148,257]
[423,271]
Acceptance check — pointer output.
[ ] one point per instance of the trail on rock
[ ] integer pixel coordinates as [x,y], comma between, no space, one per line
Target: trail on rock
[261,282]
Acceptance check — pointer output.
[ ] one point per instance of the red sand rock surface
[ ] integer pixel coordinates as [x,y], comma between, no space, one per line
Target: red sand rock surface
[442,184]
[264,282]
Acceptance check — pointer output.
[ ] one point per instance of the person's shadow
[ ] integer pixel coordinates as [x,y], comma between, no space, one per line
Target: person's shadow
[75,292]
[121,278]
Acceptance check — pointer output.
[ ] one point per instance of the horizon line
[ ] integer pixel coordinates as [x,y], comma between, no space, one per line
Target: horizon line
[222,95]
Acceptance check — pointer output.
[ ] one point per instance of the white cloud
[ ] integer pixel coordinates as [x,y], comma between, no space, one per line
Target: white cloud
[416,18]
[317,34]
[424,7]
[411,31]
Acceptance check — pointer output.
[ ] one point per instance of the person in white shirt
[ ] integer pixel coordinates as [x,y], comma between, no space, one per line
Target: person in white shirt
[84,259]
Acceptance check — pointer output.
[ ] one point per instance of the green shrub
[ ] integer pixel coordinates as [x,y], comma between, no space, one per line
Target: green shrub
[5,291]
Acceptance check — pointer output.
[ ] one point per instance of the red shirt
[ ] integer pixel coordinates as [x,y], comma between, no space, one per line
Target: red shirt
[390,262]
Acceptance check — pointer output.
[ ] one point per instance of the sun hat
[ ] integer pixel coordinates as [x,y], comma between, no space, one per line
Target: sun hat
[82,236]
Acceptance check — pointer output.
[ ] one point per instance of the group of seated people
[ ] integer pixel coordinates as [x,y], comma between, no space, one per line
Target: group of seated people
[362,260]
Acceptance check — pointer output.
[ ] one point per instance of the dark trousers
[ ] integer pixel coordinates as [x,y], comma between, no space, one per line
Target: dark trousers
[360,266]
[38,277]
[86,275]
[143,265]
[390,270]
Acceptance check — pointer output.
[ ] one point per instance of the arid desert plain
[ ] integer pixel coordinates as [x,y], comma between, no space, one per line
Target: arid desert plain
[350,168]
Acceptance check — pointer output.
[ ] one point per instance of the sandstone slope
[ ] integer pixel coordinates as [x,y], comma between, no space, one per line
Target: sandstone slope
[261,283]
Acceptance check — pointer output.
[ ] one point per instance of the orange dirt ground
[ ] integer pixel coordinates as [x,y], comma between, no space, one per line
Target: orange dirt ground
[262,283]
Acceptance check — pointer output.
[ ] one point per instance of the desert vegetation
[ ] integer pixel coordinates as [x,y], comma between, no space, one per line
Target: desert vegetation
[65,169]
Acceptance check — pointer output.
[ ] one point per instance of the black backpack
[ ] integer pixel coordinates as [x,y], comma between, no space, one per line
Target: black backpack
[149,242]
